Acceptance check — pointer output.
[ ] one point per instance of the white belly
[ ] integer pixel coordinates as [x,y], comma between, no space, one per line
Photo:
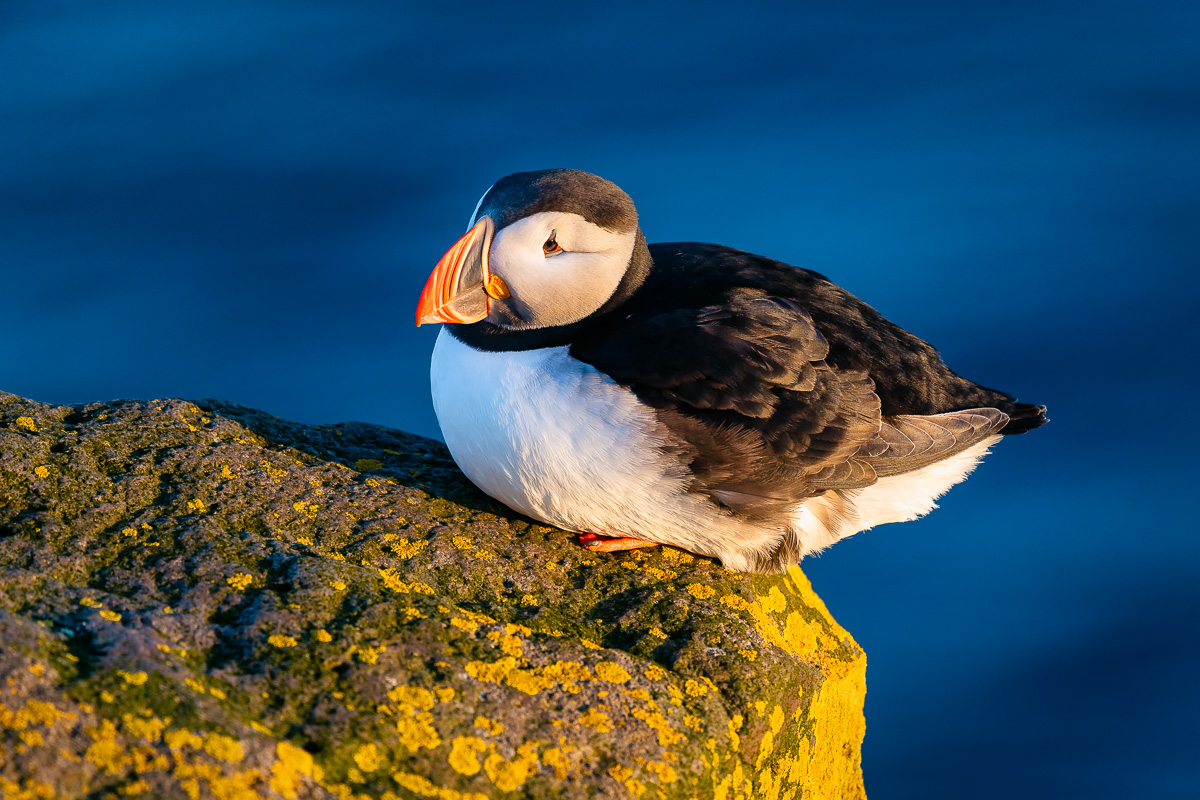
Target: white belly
[543,433]
[558,440]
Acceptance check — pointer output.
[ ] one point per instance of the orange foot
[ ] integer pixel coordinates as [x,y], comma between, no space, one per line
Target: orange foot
[607,544]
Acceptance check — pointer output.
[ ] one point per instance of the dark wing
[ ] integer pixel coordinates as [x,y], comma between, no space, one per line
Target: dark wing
[909,375]
[741,377]
[758,416]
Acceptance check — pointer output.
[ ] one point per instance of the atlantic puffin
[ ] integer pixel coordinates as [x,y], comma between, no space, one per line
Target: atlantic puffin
[684,394]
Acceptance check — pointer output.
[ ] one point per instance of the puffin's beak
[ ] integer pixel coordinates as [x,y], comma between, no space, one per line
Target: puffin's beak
[455,291]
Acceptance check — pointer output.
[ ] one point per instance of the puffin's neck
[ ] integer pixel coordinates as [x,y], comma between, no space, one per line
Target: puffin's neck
[486,336]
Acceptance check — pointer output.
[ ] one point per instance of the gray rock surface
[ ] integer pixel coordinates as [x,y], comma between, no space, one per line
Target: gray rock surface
[201,600]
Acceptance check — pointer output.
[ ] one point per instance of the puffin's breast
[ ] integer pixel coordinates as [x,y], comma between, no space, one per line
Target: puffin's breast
[551,436]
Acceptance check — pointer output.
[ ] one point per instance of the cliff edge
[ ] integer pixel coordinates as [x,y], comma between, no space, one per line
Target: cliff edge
[202,600]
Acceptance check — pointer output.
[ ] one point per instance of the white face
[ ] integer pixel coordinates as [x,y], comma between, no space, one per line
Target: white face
[559,287]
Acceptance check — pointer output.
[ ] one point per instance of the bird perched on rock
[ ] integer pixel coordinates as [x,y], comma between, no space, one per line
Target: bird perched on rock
[685,394]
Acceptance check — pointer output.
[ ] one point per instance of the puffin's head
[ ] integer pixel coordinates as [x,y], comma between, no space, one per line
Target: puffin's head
[544,248]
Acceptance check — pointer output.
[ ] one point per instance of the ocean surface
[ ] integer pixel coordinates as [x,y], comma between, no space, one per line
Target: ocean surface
[242,200]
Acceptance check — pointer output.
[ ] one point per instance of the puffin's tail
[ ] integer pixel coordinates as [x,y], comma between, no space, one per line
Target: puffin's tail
[1023,417]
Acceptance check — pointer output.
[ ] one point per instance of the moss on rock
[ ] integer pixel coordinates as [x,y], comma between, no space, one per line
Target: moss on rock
[201,600]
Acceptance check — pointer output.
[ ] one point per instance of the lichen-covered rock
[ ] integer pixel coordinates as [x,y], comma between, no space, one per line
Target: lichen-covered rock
[200,600]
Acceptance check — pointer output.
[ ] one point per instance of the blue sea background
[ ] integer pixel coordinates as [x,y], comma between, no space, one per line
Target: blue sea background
[242,200]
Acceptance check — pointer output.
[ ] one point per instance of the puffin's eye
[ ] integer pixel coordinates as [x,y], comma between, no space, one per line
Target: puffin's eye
[551,247]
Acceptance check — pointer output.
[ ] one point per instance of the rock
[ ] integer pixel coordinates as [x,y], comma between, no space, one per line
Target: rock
[201,600]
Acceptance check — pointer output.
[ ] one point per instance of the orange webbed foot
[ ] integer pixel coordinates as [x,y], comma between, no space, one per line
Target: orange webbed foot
[598,543]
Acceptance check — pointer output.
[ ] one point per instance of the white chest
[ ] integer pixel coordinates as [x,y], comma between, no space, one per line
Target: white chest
[550,436]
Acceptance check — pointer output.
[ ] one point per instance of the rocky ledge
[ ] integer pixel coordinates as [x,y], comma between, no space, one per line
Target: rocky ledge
[201,600]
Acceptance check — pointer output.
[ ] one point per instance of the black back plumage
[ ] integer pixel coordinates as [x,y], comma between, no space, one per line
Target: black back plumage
[908,373]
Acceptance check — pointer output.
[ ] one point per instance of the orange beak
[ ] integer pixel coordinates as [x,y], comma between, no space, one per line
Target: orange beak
[459,287]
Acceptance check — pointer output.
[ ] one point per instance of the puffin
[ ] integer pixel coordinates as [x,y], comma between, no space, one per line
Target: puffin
[684,394]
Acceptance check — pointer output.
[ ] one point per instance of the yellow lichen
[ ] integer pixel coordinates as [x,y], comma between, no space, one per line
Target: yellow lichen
[370,655]
[337,586]
[462,542]
[240,581]
[197,506]
[403,548]
[735,726]
[223,747]
[700,591]
[366,464]
[42,471]
[104,752]
[368,757]
[26,423]
[749,655]
[640,694]
[111,616]
[90,603]
[134,678]
[803,635]
[777,719]
[596,720]
[655,672]
[279,640]
[774,602]
[417,731]
[589,644]
[625,776]
[178,738]
[324,635]
[414,696]
[425,788]
[556,759]
[508,776]
[694,688]
[530,681]
[667,735]
[291,764]
[734,601]
[509,644]
[528,600]
[489,725]
[491,673]
[135,788]
[467,625]
[612,672]
[665,773]
[464,754]
[150,729]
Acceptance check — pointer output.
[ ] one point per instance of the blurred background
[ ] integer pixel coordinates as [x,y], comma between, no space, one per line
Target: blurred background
[242,200]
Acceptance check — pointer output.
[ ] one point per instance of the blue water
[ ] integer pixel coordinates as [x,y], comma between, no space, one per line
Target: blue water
[242,200]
